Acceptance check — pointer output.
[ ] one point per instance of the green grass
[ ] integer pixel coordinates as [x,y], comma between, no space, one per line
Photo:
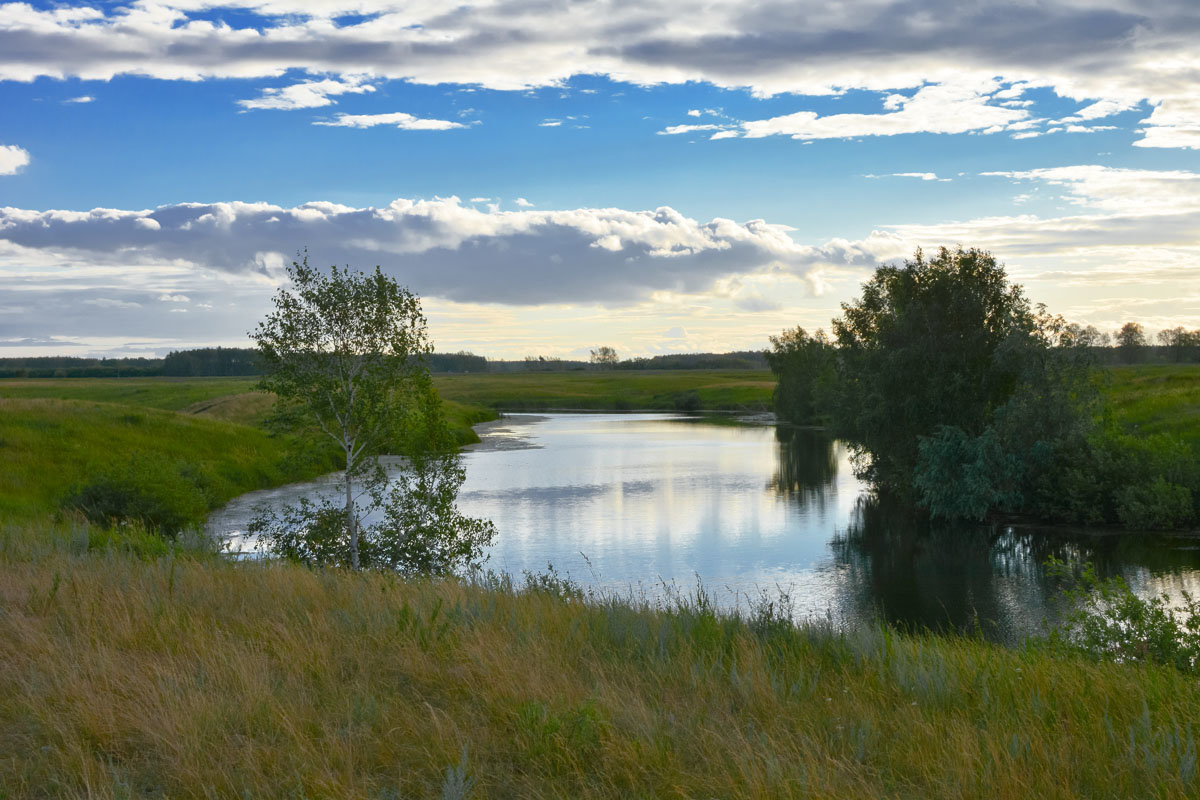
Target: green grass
[169,394]
[1153,398]
[49,446]
[741,390]
[188,677]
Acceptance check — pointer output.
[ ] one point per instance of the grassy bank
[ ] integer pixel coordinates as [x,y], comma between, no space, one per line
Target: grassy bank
[50,446]
[617,390]
[192,677]
[57,434]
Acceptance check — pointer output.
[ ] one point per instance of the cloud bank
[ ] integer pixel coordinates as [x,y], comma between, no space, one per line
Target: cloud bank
[445,249]
[1113,53]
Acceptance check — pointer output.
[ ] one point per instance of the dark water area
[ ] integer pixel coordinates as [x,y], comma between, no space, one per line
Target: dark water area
[649,504]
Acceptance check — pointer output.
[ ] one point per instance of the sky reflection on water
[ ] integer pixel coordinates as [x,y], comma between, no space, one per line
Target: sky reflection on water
[638,502]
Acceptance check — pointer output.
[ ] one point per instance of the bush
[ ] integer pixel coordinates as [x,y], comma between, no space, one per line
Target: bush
[1158,505]
[1110,623]
[687,401]
[161,495]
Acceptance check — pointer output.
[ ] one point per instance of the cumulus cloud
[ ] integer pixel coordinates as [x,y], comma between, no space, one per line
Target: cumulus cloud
[309,94]
[12,159]
[440,247]
[940,108]
[1116,52]
[81,99]
[398,119]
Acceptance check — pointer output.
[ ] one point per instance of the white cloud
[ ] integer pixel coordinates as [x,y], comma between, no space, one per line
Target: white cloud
[674,130]
[692,112]
[550,123]
[479,200]
[440,248]
[523,203]
[729,134]
[81,99]
[1103,108]
[309,94]
[924,176]
[938,108]
[12,159]
[1112,52]
[399,119]
[1135,192]
[174,298]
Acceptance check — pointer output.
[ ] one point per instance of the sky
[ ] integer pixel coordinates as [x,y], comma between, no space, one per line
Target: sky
[554,175]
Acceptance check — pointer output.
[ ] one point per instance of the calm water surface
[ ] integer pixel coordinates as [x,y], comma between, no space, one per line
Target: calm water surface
[647,502]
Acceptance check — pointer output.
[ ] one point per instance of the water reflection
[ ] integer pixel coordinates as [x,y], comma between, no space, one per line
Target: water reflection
[630,502]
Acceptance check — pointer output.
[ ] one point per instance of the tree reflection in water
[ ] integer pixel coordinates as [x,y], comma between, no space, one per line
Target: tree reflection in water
[893,564]
[806,466]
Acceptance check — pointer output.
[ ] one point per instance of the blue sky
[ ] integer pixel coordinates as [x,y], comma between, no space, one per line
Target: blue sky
[551,178]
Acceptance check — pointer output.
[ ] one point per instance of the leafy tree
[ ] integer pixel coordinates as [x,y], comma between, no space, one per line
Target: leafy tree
[803,365]
[1181,344]
[933,343]
[604,356]
[1131,341]
[345,353]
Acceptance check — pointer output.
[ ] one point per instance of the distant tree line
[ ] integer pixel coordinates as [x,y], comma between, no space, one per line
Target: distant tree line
[71,367]
[212,361]
[198,363]
[961,397]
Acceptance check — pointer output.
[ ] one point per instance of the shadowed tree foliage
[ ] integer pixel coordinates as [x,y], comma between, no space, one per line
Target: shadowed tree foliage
[803,366]
[959,396]
[934,342]
[1131,342]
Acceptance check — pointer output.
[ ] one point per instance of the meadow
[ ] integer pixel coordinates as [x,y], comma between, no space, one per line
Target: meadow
[134,667]
[185,675]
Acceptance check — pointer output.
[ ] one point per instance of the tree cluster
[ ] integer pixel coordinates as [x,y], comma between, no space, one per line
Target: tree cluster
[960,396]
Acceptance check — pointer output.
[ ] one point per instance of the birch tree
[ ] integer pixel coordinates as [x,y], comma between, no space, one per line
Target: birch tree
[344,352]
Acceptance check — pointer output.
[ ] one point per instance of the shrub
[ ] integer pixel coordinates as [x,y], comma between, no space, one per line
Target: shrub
[161,495]
[1111,623]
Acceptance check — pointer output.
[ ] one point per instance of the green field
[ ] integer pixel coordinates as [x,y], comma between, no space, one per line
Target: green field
[730,390]
[193,677]
[1152,398]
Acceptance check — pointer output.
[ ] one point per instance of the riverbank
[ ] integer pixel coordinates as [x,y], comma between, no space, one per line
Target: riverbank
[56,432]
[189,676]
[59,434]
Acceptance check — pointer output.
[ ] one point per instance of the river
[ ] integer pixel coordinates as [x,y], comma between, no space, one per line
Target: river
[649,504]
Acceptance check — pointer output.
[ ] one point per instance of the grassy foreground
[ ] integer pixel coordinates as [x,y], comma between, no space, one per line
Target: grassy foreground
[185,677]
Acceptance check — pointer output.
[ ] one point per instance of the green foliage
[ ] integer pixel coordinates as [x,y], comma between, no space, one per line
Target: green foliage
[804,366]
[158,493]
[410,525]
[1141,482]
[1108,622]
[935,342]
[344,353]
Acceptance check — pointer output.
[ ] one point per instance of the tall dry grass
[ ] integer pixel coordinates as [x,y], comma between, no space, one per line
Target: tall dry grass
[190,676]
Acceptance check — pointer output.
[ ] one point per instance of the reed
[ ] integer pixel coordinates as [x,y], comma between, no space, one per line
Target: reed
[124,674]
